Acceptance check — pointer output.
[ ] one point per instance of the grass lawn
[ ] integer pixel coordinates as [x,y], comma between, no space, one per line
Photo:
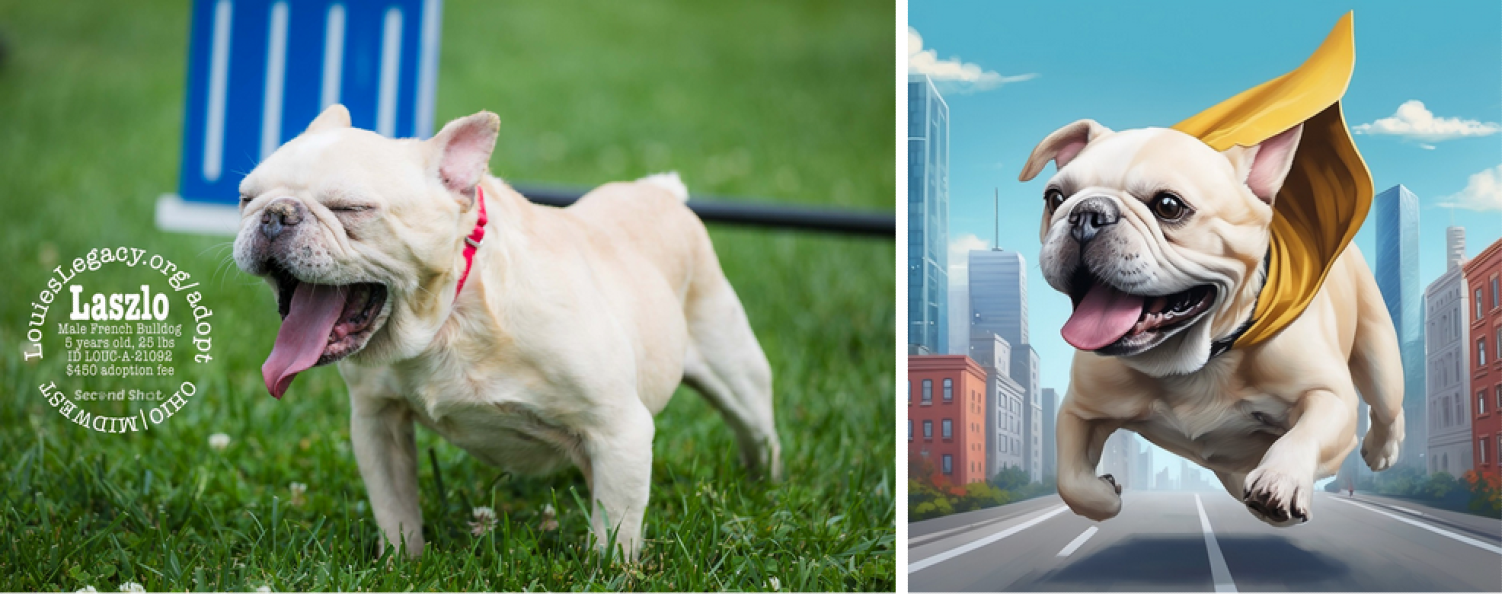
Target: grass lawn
[790,101]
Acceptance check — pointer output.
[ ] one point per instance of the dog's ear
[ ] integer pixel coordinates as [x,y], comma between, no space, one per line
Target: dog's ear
[1264,167]
[334,117]
[462,150]
[1062,146]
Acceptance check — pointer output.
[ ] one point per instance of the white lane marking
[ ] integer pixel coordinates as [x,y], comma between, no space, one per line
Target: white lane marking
[1222,580]
[960,550]
[271,103]
[391,57]
[1406,510]
[920,539]
[219,79]
[428,70]
[334,55]
[1077,543]
[1442,532]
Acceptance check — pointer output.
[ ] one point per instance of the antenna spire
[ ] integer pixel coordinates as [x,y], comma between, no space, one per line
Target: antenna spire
[995,218]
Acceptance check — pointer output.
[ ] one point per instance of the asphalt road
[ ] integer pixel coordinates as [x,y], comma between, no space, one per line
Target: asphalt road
[1204,542]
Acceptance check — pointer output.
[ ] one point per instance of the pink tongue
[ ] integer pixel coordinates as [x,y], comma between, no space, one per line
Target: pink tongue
[304,334]
[1105,315]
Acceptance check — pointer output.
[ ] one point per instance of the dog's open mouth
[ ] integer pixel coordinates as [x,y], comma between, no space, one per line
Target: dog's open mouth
[320,324]
[1110,321]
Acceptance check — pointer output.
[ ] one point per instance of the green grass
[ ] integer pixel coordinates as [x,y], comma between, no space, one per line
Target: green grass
[778,100]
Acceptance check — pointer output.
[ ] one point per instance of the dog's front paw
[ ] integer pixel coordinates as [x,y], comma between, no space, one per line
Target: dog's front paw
[1381,447]
[1278,498]
[1097,499]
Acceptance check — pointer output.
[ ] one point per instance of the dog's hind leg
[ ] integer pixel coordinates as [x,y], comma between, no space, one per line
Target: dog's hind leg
[1377,373]
[726,365]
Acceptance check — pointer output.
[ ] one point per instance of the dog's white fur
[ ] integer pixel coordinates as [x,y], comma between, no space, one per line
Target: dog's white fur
[573,329]
[1268,419]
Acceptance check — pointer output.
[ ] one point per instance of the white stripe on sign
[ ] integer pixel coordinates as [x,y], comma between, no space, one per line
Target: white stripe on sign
[428,71]
[391,58]
[960,550]
[219,79]
[1222,580]
[1442,532]
[334,55]
[1077,543]
[271,103]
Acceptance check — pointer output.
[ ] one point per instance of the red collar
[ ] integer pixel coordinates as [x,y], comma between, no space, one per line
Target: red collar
[473,241]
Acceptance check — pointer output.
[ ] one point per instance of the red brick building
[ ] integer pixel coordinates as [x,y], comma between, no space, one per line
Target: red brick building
[1482,275]
[946,416]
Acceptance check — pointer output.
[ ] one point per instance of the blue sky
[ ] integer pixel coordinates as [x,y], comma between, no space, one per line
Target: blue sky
[1012,73]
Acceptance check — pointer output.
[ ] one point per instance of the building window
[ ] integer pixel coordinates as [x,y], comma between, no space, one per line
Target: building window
[946,464]
[1494,284]
[911,430]
[946,389]
[1482,408]
[1483,450]
[1481,352]
[1497,397]
[945,429]
[1478,303]
[927,428]
[925,391]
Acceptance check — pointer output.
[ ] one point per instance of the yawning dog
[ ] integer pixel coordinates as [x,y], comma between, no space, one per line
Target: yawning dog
[533,337]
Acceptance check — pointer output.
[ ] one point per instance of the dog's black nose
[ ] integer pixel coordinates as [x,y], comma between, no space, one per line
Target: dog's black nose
[280,214]
[1090,216]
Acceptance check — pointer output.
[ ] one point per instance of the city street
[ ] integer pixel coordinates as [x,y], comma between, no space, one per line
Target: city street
[1203,542]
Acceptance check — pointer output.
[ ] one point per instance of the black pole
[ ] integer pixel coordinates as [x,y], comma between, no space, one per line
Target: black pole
[740,212]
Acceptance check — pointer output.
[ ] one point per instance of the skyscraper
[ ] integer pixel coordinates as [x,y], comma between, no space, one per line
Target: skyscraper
[1398,274]
[929,159]
[996,288]
[1450,428]
[1048,403]
[1005,422]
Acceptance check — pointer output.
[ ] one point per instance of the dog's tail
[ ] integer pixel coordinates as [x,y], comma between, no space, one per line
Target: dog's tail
[669,182]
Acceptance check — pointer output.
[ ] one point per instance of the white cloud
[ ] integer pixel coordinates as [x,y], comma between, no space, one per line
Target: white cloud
[1428,147]
[953,75]
[1482,192]
[956,257]
[1413,120]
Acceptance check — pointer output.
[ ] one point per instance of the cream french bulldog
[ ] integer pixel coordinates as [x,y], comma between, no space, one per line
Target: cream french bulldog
[552,342]
[1160,242]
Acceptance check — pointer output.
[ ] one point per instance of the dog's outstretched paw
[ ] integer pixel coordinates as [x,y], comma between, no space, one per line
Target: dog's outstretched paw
[1381,447]
[1097,499]
[1277,498]
[1117,489]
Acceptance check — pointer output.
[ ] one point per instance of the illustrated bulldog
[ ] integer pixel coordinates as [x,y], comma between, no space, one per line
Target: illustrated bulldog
[1162,244]
[533,337]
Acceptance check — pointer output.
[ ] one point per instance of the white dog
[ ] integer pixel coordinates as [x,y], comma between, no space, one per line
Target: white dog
[1160,242]
[532,337]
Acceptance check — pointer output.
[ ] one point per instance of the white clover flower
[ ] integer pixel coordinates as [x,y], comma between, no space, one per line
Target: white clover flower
[297,489]
[548,523]
[773,582]
[88,589]
[485,520]
[219,441]
[131,587]
[263,590]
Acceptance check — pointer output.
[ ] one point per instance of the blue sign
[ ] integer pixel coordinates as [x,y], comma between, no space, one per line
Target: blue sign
[260,70]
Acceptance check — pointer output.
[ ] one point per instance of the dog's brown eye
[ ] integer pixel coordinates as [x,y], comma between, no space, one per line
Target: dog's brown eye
[1053,199]
[1167,206]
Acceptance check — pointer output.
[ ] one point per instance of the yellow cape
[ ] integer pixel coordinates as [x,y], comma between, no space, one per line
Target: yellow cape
[1325,197]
